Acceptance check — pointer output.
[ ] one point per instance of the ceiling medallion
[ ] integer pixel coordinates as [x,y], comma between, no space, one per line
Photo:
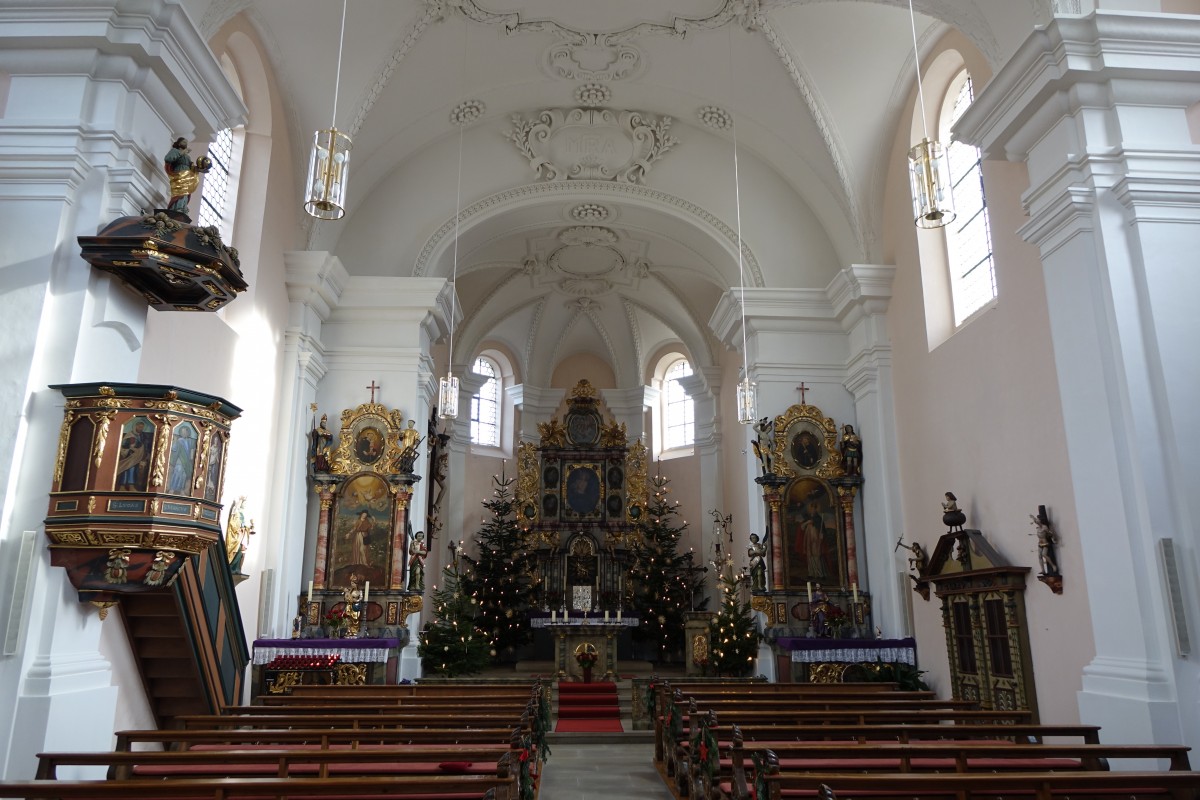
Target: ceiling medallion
[591,95]
[715,117]
[592,144]
[467,112]
[590,212]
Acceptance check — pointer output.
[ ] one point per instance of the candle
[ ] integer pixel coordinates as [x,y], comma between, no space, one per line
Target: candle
[618,615]
[810,591]
[310,591]
[854,589]
[554,615]
[366,591]
[606,615]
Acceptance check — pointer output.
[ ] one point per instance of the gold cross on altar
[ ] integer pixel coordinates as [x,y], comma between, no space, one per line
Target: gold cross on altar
[373,387]
[802,389]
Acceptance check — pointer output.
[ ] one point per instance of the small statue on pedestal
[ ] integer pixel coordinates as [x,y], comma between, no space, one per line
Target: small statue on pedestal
[851,451]
[352,597]
[757,553]
[1046,539]
[952,516]
[416,562]
[763,445]
[183,174]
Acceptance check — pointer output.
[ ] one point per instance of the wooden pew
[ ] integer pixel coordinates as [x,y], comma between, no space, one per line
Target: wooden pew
[324,737]
[984,786]
[725,781]
[487,787]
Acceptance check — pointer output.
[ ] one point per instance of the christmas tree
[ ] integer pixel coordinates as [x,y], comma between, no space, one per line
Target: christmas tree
[500,575]
[665,584]
[452,643]
[733,638]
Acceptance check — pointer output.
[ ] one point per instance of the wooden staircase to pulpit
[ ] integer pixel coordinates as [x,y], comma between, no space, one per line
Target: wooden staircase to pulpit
[188,640]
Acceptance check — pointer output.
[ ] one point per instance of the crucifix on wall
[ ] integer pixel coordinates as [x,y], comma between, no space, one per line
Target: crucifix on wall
[373,387]
[803,390]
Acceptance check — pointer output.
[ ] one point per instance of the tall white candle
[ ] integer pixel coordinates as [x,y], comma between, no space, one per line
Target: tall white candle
[854,589]
[366,592]
[554,615]
[310,591]
[810,591]
[618,615]
[606,615]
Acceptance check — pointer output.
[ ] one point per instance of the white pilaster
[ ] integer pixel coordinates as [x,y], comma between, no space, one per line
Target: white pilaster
[536,406]
[860,295]
[1096,107]
[96,92]
[629,406]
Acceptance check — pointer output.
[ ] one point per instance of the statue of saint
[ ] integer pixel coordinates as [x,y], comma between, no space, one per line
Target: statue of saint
[417,551]
[352,597]
[757,553]
[237,532]
[851,451]
[183,174]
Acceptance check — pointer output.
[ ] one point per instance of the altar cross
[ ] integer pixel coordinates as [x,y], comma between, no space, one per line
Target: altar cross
[802,389]
[373,387]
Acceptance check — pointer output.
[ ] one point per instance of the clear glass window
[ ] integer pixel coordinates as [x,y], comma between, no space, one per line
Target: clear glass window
[485,406]
[679,412]
[969,236]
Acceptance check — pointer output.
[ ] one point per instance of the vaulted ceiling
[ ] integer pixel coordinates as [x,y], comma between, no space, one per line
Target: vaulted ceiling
[597,197]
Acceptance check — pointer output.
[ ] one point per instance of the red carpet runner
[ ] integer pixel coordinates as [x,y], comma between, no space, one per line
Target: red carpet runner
[588,708]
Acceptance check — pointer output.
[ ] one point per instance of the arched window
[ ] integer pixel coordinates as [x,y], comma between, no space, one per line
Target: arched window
[485,405]
[215,202]
[678,410]
[969,236]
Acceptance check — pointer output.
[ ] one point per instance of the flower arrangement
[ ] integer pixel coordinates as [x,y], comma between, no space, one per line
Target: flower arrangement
[836,620]
[586,659]
[335,619]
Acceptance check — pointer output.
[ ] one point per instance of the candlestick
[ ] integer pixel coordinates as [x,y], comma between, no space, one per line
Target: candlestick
[810,591]
[310,591]
[854,589]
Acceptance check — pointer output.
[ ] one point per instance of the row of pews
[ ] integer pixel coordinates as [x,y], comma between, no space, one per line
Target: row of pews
[454,741]
[736,741]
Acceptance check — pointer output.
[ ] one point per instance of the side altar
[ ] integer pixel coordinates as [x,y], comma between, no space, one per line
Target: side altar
[804,571]
[368,573]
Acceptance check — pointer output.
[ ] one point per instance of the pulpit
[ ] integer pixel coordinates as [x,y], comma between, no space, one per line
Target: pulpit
[572,638]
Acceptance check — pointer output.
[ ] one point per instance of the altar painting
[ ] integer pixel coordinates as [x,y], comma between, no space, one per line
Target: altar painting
[361,532]
[814,548]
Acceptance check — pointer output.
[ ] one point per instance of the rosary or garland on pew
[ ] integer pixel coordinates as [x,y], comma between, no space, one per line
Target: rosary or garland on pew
[704,750]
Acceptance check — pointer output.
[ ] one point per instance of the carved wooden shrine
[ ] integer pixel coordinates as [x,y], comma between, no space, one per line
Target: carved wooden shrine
[983,612]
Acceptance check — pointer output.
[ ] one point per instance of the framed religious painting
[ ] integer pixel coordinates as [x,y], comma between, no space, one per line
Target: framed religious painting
[583,491]
[360,531]
[814,542]
[806,444]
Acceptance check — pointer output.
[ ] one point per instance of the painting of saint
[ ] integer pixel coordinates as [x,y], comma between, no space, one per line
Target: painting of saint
[182,462]
[133,460]
[212,483]
[813,544]
[806,449]
[583,490]
[360,531]
[368,445]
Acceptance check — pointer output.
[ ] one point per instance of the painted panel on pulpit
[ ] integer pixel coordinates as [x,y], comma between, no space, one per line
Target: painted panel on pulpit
[814,545]
[361,531]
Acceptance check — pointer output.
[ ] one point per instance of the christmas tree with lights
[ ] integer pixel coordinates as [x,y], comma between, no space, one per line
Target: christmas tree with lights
[665,584]
[500,575]
[452,643]
[733,638]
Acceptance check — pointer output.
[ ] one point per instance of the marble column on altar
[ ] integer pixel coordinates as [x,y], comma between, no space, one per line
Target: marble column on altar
[772,486]
[846,493]
[400,538]
[325,498]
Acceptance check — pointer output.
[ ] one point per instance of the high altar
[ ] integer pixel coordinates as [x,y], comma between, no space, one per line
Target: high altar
[580,492]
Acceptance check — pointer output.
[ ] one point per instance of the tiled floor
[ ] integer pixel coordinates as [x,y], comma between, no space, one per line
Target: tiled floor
[602,772]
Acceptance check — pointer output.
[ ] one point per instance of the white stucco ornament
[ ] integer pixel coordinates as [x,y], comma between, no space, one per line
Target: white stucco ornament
[592,144]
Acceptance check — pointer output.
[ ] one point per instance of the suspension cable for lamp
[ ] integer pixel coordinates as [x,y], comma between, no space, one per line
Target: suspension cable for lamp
[454,269]
[917,59]
[337,81]
[737,198]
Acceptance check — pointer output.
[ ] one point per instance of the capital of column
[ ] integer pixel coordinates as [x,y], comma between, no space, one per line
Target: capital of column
[314,280]
[629,406]
[403,311]
[536,405]
[771,310]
